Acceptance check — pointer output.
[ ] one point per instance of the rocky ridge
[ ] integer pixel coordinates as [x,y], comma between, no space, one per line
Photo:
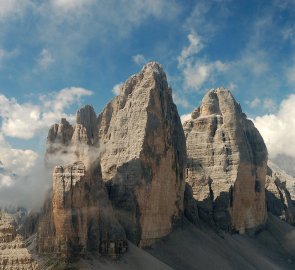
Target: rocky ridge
[78,217]
[226,165]
[278,198]
[13,252]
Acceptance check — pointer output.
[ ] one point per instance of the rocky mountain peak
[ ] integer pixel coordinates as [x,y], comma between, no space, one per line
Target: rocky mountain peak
[219,101]
[226,166]
[152,74]
[86,117]
[144,157]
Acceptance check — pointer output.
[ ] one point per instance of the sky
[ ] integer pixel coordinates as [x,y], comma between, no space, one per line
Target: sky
[57,55]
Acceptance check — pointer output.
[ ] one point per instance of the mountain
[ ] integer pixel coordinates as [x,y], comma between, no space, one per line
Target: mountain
[13,252]
[128,170]
[227,162]
[143,157]
[133,189]
[280,201]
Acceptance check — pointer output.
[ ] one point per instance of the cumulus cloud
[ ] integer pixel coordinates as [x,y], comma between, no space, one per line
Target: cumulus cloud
[27,186]
[277,129]
[17,172]
[196,71]
[22,171]
[17,161]
[117,88]
[139,59]
[45,59]
[25,120]
[194,47]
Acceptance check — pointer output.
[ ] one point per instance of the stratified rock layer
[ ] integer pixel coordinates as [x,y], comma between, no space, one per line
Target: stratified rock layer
[226,164]
[278,197]
[140,143]
[78,217]
[13,253]
[81,217]
[144,155]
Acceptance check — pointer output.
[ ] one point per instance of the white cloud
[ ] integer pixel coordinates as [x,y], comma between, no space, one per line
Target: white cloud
[194,47]
[117,88]
[15,163]
[25,120]
[45,59]
[195,71]
[139,59]
[18,161]
[22,173]
[277,129]
[196,74]
[185,117]
[5,180]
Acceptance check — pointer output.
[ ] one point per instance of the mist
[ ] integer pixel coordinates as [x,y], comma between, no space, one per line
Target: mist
[28,190]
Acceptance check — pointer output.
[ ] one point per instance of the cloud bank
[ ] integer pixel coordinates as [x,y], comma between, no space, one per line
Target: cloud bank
[278,130]
[24,179]
[25,120]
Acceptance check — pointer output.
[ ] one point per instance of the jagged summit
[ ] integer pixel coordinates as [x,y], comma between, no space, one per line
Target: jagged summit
[144,153]
[153,67]
[217,101]
[152,73]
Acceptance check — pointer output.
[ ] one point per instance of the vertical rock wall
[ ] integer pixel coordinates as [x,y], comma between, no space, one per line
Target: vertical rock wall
[144,156]
[226,165]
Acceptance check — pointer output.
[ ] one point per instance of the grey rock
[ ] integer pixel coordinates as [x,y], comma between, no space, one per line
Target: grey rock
[226,164]
[144,156]
[278,197]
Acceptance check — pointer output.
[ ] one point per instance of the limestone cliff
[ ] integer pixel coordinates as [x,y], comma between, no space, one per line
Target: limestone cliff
[278,198]
[80,216]
[144,155]
[140,143]
[13,253]
[226,166]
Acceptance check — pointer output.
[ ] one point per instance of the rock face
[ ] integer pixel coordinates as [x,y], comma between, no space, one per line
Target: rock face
[278,198]
[226,166]
[13,253]
[144,156]
[78,217]
[139,142]
[81,215]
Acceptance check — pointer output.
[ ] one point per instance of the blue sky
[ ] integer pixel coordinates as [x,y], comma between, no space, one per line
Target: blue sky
[57,55]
